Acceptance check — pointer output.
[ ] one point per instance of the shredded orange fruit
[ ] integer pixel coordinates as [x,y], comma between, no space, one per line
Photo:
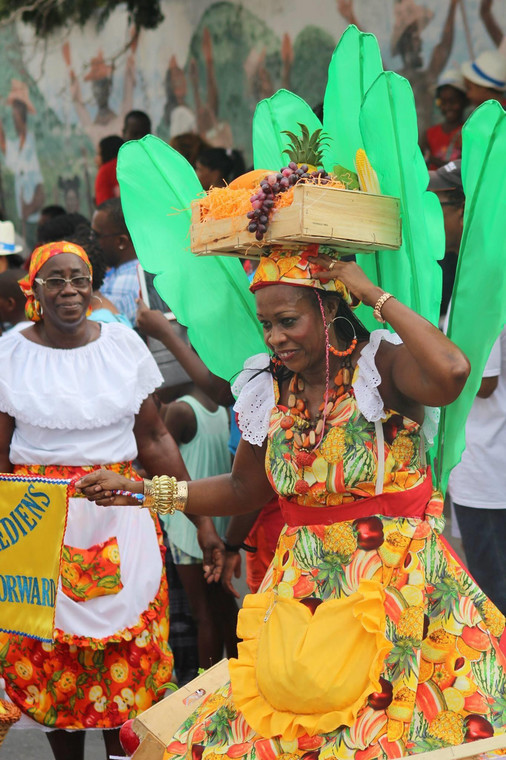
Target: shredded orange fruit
[225,202]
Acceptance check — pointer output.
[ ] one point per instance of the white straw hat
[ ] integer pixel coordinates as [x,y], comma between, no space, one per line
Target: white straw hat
[451,78]
[487,70]
[7,240]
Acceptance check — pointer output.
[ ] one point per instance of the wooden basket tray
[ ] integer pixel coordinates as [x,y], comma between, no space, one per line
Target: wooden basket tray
[346,220]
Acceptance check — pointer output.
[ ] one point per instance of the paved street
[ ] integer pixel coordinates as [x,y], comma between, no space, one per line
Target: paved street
[33,745]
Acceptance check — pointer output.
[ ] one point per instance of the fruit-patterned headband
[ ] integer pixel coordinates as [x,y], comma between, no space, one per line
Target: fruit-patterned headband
[292,267]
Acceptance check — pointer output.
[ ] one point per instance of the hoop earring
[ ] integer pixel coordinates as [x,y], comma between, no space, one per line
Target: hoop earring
[353,343]
[98,298]
[38,308]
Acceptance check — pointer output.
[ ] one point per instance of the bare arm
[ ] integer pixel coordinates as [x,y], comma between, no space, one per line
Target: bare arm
[6,431]
[158,451]
[443,49]
[159,454]
[427,369]
[490,22]
[488,386]
[154,324]
[243,490]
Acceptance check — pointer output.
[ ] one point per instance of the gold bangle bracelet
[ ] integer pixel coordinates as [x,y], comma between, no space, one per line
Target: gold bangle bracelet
[164,487]
[148,494]
[379,305]
[165,495]
[181,496]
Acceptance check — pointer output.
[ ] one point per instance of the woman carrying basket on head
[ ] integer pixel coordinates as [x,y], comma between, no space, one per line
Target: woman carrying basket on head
[366,639]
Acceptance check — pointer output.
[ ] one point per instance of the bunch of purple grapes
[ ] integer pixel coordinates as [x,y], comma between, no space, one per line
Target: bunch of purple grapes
[273,184]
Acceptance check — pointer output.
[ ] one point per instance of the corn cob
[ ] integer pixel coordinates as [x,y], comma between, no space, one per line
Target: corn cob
[367,177]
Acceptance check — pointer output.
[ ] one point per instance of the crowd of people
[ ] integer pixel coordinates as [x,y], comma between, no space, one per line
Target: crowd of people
[80,389]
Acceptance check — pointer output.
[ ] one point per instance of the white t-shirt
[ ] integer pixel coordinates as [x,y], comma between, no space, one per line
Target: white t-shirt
[479,480]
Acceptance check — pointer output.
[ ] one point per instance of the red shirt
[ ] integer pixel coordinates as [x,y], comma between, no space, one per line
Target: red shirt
[446,146]
[106,184]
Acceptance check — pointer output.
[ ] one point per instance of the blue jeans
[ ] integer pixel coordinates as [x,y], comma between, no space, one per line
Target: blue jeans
[484,540]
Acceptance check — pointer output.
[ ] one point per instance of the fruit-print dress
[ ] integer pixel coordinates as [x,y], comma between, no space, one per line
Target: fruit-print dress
[73,410]
[367,639]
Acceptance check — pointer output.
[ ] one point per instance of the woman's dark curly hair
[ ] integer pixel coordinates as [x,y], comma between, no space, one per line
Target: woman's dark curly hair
[82,237]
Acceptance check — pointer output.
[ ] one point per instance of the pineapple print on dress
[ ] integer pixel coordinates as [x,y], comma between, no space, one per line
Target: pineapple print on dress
[403,448]
[340,539]
[448,727]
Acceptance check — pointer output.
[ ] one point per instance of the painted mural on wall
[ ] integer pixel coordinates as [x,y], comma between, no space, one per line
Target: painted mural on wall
[203,70]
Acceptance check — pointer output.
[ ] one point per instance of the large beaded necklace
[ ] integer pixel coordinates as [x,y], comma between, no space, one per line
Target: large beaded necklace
[297,422]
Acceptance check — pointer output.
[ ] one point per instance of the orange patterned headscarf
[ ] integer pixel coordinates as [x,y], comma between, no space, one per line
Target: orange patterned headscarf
[291,267]
[38,258]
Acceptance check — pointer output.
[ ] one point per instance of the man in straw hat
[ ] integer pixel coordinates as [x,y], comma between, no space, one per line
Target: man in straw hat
[21,159]
[485,77]
[410,19]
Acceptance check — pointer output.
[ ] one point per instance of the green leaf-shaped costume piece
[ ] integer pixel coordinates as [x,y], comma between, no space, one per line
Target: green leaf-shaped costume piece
[391,143]
[208,294]
[478,309]
[354,66]
[283,111]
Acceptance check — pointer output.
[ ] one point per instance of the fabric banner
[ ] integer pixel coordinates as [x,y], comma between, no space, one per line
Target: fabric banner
[33,517]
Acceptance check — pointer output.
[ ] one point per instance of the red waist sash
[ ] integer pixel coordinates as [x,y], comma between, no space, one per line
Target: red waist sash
[410,503]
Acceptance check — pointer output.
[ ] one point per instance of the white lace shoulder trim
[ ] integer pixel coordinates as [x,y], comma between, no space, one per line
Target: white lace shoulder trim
[368,379]
[254,390]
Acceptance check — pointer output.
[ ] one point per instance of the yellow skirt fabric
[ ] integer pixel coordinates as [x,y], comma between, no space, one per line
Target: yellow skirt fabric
[303,673]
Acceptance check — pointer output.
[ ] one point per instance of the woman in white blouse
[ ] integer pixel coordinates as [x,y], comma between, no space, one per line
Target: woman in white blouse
[75,394]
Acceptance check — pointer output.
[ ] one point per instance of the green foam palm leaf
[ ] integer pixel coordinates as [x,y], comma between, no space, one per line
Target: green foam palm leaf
[391,143]
[208,294]
[284,111]
[478,308]
[354,66]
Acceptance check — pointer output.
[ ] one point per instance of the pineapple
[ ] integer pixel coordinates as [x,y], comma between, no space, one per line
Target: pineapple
[449,727]
[341,539]
[410,624]
[333,446]
[306,149]
[402,448]
[494,619]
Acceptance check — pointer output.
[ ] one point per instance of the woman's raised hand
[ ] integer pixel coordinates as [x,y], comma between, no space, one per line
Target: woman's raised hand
[350,274]
[151,322]
[99,486]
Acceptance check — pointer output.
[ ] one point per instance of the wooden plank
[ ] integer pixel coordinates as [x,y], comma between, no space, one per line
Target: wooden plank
[463,751]
[163,719]
[344,219]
